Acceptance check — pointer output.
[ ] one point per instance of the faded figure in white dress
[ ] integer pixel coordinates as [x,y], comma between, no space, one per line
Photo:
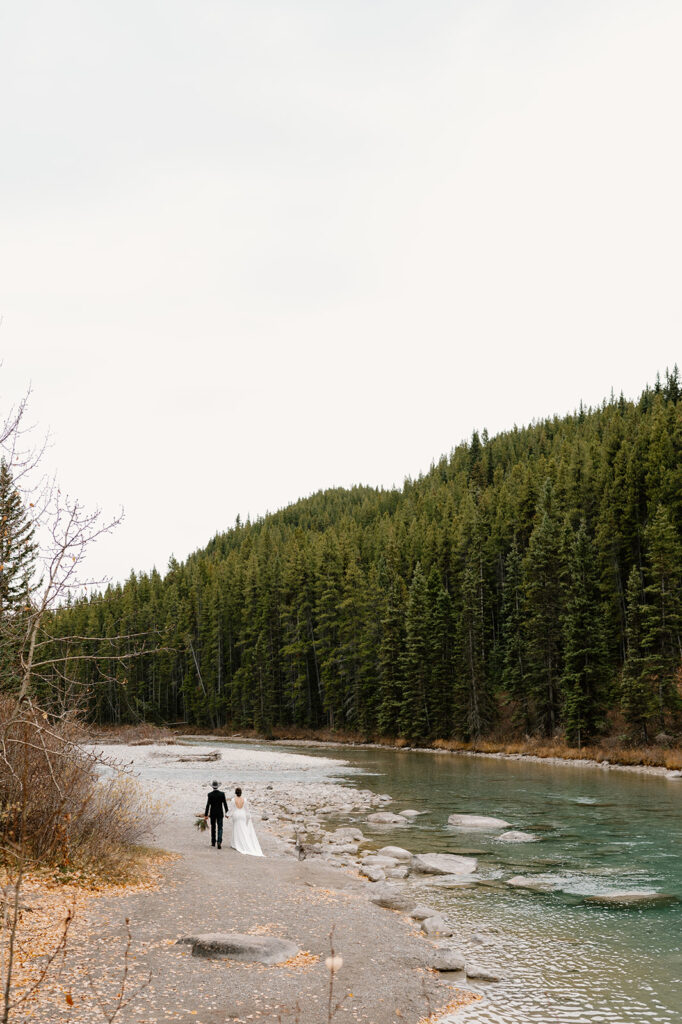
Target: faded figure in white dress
[244,838]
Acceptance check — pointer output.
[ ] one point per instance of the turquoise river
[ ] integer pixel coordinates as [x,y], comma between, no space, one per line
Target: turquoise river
[561,960]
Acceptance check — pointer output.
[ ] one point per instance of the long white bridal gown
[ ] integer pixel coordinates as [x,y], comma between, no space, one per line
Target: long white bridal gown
[244,838]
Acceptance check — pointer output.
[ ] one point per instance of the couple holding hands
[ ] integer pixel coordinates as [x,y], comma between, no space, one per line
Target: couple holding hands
[244,838]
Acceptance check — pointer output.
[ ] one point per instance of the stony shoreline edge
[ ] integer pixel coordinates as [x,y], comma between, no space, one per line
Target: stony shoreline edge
[578,762]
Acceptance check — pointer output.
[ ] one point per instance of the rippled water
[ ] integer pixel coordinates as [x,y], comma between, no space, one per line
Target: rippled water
[561,960]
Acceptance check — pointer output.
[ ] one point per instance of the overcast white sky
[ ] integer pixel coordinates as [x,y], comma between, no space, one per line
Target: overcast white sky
[253,249]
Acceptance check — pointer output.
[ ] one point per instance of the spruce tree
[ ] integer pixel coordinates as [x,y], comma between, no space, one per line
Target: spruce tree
[662,614]
[414,719]
[391,658]
[513,638]
[636,697]
[542,571]
[585,669]
[18,548]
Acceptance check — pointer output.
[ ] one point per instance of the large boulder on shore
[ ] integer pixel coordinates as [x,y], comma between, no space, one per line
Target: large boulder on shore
[476,821]
[386,818]
[262,949]
[443,864]
[447,960]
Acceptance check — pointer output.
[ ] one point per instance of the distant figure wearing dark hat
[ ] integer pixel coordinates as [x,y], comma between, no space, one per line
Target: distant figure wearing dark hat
[214,808]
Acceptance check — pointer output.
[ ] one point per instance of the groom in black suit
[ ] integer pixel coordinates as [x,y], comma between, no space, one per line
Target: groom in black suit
[214,807]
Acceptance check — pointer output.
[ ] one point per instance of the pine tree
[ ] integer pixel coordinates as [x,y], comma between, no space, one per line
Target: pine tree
[662,613]
[414,720]
[18,548]
[636,698]
[585,669]
[513,638]
[542,571]
[391,658]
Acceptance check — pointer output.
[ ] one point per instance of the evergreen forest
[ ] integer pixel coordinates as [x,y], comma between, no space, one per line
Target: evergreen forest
[530,582]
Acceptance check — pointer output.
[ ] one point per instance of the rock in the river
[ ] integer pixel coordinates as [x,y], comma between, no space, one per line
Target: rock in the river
[402,871]
[447,960]
[517,837]
[410,813]
[373,874]
[674,775]
[347,834]
[477,821]
[391,897]
[443,864]
[531,884]
[263,949]
[478,973]
[386,818]
[632,898]
[422,912]
[447,881]
[397,852]
[436,926]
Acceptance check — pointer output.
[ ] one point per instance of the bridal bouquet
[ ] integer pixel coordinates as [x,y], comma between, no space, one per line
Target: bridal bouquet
[200,822]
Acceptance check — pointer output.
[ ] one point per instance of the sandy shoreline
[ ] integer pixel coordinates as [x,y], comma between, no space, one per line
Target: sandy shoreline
[388,974]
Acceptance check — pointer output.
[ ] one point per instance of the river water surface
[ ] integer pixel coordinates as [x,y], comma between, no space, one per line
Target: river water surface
[561,960]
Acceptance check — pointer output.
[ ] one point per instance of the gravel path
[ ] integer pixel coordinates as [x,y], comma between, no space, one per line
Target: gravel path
[383,978]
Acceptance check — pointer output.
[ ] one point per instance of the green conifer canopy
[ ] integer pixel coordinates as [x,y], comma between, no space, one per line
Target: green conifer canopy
[529,583]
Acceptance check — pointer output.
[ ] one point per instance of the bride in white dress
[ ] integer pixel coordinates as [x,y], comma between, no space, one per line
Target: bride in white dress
[244,838]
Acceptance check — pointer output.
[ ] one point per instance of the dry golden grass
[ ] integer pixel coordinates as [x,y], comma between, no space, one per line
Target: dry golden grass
[654,756]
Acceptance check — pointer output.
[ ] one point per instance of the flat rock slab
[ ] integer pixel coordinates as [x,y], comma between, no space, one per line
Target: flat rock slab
[477,973]
[632,899]
[397,852]
[262,949]
[386,818]
[392,899]
[376,860]
[477,821]
[443,864]
[532,884]
[411,813]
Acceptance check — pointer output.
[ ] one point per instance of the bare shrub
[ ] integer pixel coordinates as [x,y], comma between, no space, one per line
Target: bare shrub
[63,803]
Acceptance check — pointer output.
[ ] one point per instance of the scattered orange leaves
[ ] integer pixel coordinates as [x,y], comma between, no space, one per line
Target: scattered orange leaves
[462,998]
[302,961]
[48,901]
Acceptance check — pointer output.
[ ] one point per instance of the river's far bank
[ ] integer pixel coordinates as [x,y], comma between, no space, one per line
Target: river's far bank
[658,760]
[647,760]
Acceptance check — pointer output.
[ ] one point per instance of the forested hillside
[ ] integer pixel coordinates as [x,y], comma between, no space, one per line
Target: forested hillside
[534,577]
